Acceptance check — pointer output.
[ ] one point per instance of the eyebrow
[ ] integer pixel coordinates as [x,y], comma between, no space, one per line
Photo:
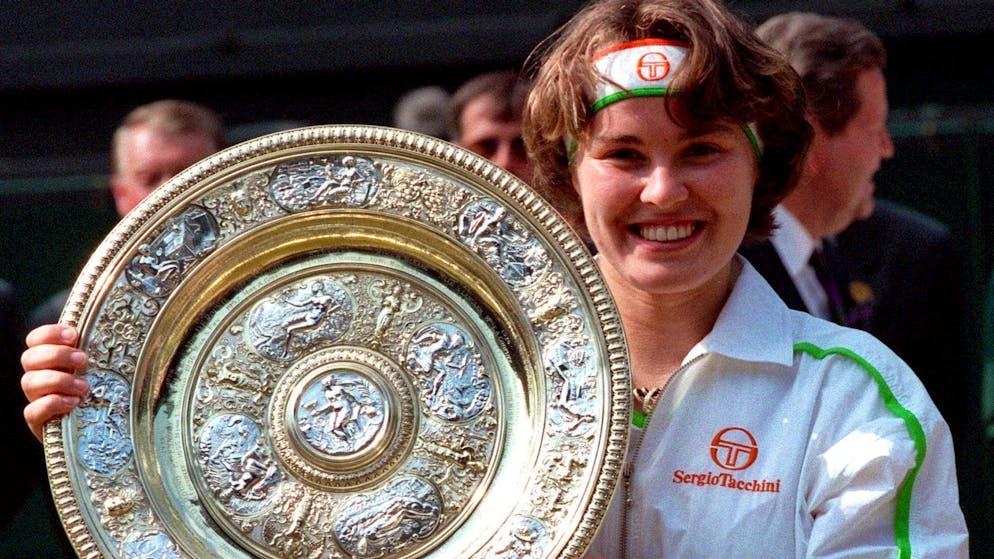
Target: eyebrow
[690,132]
[711,127]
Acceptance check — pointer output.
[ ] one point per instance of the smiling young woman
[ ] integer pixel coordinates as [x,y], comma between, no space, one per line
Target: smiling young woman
[668,133]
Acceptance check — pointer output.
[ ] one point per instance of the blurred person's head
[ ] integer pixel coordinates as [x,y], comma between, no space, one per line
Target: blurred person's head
[425,110]
[155,142]
[485,118]
[842,66]
[726,76]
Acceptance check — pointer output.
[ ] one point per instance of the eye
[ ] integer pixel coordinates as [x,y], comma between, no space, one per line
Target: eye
[624,154]
[486,147]
[703,149]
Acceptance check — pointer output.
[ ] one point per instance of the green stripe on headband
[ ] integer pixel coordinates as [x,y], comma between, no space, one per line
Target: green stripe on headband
[753,141]
[628,94]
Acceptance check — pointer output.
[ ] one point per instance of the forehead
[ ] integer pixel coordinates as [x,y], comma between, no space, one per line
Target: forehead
[144,146]
[146,137]
[871,86]
[483,116]
[485,107]
[656,114]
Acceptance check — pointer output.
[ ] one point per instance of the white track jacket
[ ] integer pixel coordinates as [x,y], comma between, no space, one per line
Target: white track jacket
[787,436]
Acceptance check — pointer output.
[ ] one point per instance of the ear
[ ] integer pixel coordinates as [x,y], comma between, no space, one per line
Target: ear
[115,186]
[118,191]
[814,161]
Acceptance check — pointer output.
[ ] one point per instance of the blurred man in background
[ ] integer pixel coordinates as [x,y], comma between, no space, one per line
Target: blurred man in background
[485,118]
[425,110]
[153,143]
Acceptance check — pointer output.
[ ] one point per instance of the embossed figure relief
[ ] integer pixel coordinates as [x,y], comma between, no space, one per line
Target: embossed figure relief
[454,384]
[299,525]
[340,413]
[503,242]
[569,365]
[236,464]
[242,204]
[407,510]
[564,467]
[160,265]
[282,327]
[421,195]
[349,181]
[151,545]
[527,540]
[104,444]
[395,299]
[240,377]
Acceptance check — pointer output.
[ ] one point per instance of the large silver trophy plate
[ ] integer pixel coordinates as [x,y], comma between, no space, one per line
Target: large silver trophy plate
[341,342]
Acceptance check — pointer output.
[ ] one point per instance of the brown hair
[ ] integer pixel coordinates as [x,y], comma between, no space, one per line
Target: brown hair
[508,88]
[829,53]
[728,73]
[173,117]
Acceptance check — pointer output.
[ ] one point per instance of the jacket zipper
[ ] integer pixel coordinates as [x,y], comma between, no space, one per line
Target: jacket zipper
[630,464]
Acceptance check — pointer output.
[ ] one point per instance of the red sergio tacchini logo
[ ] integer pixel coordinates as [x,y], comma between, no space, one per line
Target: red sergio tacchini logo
[653,66]
[734,448]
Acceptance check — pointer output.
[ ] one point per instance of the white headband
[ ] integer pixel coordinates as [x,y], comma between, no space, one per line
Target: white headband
[643,68]
[636,69]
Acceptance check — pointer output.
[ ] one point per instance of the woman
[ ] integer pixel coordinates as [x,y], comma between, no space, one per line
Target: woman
[760,431]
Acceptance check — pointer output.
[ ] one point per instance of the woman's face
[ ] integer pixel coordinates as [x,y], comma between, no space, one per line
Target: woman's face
[666,206]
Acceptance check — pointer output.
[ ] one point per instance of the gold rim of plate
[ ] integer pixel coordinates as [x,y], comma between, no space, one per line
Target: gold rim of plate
[342,342]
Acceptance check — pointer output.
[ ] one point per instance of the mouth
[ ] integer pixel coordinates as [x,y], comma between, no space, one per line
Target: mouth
[666,233]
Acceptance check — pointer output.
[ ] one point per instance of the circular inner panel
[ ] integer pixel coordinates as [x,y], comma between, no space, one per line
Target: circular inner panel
[339,414]
[354,384]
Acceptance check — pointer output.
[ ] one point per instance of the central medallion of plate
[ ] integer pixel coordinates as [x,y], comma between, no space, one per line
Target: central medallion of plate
[343,417]
[339,413]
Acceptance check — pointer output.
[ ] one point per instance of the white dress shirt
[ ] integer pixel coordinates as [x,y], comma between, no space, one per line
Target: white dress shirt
[795,246]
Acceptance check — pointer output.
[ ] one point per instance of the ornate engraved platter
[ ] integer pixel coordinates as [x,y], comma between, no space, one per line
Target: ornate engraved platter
[342,342]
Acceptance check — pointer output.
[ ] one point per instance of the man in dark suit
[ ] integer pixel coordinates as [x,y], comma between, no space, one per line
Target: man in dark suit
[906,272]
[846,257]
[897,272]
[841,63]
[11,404]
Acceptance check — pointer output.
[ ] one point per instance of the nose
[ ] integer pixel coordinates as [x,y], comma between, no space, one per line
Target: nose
[511,156]
[503,156]
[886,145]
[663,187]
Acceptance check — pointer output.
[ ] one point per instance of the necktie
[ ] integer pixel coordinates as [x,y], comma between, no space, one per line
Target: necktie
[830,282]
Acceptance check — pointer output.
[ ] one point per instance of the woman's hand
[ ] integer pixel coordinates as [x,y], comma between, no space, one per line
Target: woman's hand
[49,381]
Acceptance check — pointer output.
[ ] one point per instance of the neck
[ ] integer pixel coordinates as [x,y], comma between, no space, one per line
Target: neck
[806,206]
[662,328]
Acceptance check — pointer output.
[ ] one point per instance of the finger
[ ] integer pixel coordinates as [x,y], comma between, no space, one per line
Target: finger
[38,384]
[39,412]
[58,334]
[52,356]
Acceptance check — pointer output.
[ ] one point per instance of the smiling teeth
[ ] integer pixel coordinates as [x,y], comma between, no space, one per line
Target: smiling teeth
[666,233]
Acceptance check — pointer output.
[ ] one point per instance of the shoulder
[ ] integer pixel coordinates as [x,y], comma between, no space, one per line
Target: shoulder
[856,363]
[897,223]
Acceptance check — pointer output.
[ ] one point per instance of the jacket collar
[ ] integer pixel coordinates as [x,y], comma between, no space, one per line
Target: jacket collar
[754,324]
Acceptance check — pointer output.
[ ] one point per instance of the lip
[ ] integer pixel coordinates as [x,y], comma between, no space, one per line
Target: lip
[666,236]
